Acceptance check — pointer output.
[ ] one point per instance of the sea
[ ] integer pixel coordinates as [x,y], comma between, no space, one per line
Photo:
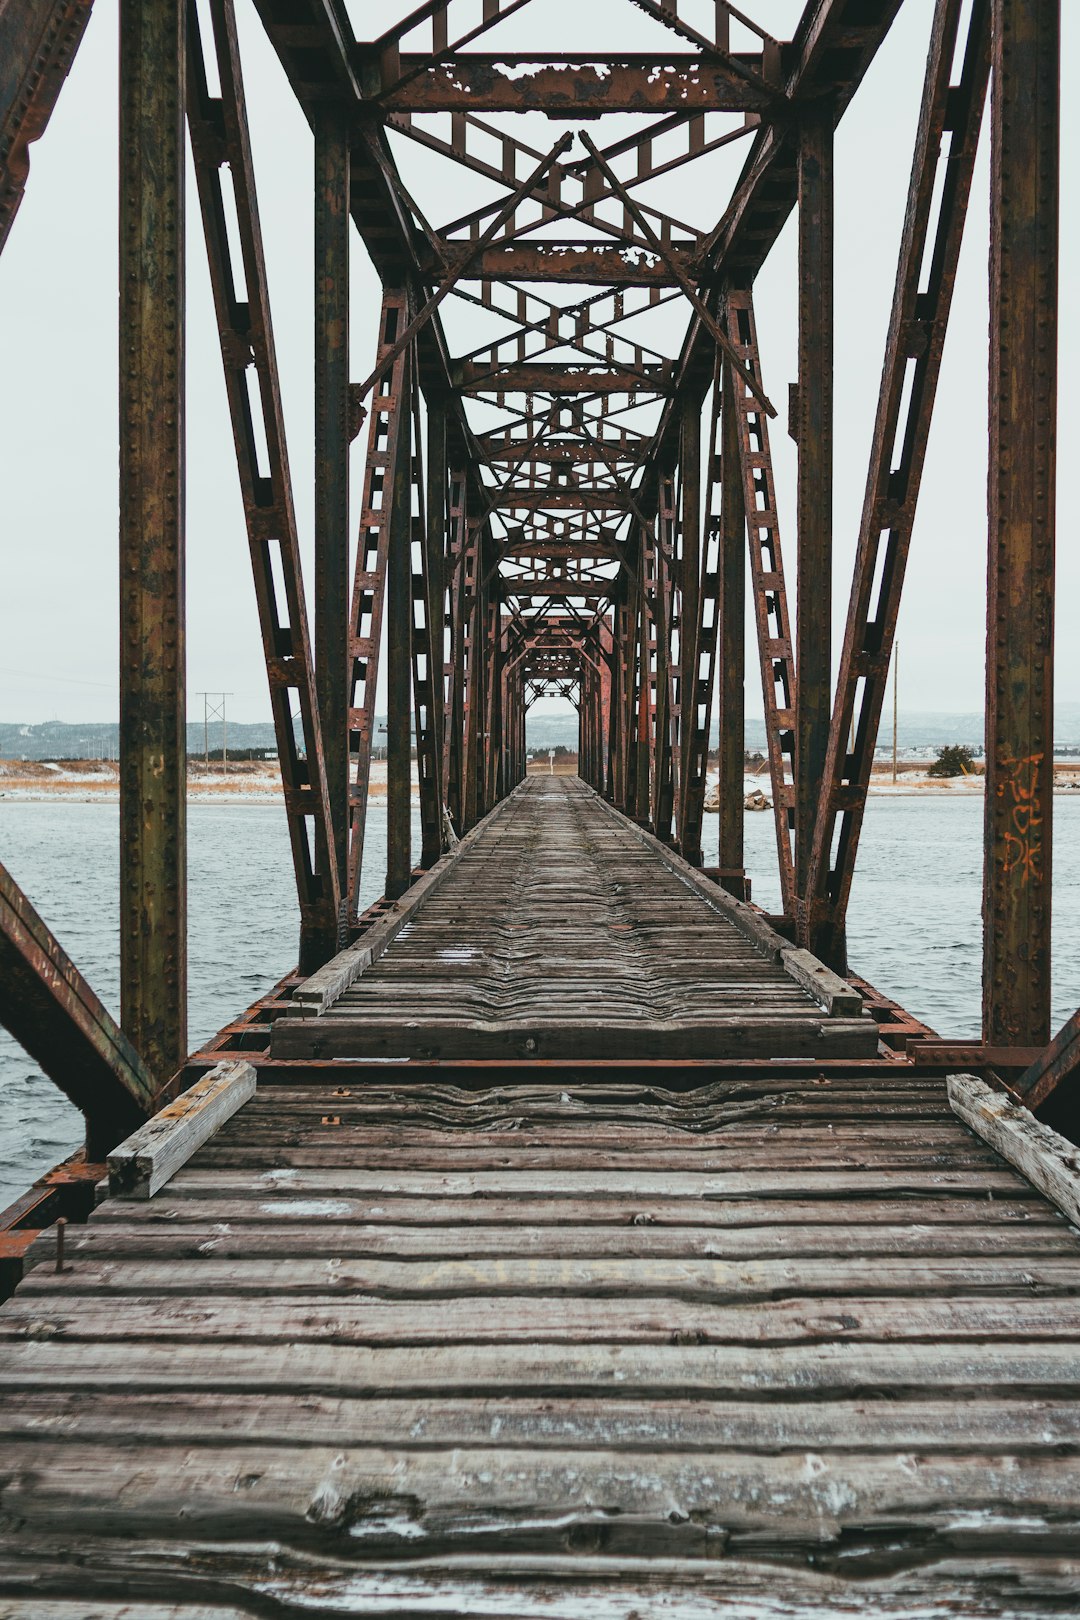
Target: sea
[914,928]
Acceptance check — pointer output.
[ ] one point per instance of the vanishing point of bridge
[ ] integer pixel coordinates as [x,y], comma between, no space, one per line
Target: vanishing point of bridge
[566,1236]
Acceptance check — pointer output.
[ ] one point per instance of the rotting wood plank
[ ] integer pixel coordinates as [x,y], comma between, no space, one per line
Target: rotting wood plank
[1002,1368]
[923,1214]
[220,1234]
[151,1156]
[442,1504]
[715,1281]
[1047,1160]
[508,1319]
[634,1423]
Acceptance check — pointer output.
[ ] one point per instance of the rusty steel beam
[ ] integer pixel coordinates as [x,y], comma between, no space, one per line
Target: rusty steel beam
[829,56]
[775,655]
[388,408]
[913,352]
[51,1010]
[582,263]
[813,598]
[221,147]
[560,498]
[397,496]
[1025,160]
[536,377]
[153,762]
[332,440]
[577,86]
[731,692]
[38,42]
[1053,1070]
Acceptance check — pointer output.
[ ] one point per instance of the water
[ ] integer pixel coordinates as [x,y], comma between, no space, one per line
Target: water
[914,925]
[243,926]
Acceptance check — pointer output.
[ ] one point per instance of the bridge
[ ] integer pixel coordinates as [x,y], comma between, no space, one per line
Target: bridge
[567,1235]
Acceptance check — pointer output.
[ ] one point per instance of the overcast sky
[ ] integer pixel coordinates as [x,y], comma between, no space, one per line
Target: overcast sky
[58,414]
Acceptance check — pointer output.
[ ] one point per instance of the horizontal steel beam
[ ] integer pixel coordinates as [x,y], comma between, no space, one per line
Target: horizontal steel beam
[533,377]
[560,497]
[573,86]
[581,263]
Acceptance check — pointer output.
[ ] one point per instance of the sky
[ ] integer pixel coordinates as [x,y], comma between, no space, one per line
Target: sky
[58,409]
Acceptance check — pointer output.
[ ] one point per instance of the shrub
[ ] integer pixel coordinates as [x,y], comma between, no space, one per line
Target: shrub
[953,760]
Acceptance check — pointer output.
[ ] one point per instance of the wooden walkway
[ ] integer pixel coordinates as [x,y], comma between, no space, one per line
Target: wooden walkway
[782,1346]
[561,930]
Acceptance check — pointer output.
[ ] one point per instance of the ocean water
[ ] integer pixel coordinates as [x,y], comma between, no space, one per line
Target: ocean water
[914,923]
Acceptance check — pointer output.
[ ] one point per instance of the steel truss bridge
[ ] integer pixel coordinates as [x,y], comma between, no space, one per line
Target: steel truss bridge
[669,1267]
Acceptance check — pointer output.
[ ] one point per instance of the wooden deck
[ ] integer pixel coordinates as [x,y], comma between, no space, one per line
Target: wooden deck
[781,1346]
[561,930]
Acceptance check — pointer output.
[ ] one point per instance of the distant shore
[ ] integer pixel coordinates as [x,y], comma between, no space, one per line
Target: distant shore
[259,781]
[91,781]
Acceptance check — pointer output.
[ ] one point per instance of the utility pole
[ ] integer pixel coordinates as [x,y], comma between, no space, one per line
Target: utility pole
[212,711]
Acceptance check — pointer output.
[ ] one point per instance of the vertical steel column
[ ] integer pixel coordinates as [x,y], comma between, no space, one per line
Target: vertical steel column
[1020,612]
[332,461]
[153,828]
[689,602]
[813,624]
[369,578]
[701,683]
[731,695]
[437,534]
[770,592]
[399,650]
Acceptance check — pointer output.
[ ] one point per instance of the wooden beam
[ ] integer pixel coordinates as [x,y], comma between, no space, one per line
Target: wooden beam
[1045,1158]
[152,1155]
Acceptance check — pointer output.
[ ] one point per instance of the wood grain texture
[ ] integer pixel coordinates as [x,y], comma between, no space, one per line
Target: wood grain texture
[151,1156]
[770,1349]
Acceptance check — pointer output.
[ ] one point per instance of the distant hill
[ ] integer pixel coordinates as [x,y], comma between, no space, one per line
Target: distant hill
[56,739]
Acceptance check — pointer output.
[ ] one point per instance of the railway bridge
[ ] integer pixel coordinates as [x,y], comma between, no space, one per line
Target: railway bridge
[568,1235]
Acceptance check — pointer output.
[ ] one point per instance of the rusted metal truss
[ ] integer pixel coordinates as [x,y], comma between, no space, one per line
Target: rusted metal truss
[558,496]
[945,150]
[224,173]
[38,41]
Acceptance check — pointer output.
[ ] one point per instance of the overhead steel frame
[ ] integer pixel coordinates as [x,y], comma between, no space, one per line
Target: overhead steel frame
[635,565]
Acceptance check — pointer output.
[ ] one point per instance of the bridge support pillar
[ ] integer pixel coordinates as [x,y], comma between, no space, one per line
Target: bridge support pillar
[399,651]
[1020,616]
[732,631]
[153,762]
[814,416]
[332,440]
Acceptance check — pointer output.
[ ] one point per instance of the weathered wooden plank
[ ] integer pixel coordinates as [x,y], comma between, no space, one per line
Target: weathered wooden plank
[763,1155]
[461,1215]
[740,1036]
[737,1282]
[314,1238]
[149,1158]
[633,1423]
[1007,1586]
[505,1319]
[1049,1161]
[807,1182]
[430,1503]
[829,1370]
